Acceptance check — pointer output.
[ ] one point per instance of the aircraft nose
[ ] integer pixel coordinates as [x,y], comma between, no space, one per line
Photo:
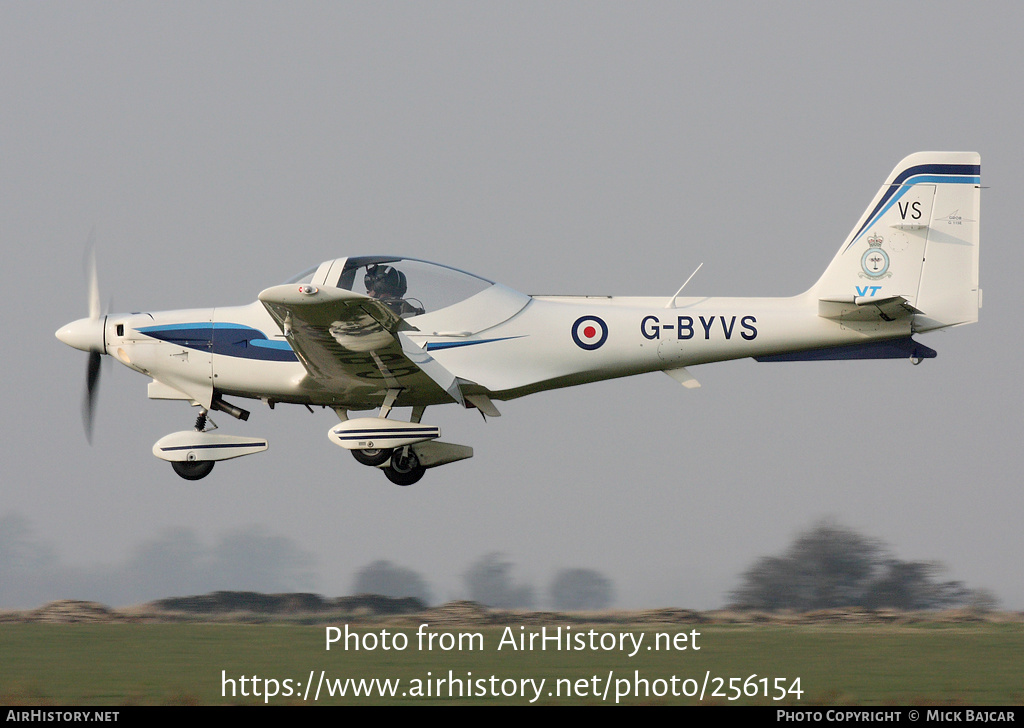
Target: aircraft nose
[85,334]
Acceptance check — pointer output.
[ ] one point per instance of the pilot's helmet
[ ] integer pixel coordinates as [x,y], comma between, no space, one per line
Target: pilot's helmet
[385,281]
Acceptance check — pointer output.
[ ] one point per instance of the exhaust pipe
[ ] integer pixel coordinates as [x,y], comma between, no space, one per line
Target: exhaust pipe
[237,412]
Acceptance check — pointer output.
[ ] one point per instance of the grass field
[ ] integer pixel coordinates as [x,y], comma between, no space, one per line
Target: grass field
[119,664]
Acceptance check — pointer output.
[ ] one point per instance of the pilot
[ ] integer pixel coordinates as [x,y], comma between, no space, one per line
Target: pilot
[389,285]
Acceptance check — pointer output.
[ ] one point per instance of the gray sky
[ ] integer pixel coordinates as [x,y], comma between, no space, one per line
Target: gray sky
[218,148]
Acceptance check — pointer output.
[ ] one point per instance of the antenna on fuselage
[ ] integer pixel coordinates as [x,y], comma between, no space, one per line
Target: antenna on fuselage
[672,301]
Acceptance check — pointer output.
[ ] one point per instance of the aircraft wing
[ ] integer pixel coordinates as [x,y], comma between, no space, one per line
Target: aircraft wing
[353,345]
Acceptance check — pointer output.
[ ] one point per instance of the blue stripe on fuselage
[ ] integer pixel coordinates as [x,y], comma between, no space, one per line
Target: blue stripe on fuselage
[438,345]
[226,339]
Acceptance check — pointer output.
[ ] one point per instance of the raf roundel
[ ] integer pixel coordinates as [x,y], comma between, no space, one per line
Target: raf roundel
[589,332]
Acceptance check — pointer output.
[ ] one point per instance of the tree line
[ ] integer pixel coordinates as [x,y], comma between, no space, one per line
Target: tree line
[490,581]
[827,566]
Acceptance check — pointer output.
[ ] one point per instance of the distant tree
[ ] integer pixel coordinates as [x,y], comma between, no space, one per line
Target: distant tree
[386,579]
[833,566]
[574,589]
[914,585]
[983,600]
[489,582]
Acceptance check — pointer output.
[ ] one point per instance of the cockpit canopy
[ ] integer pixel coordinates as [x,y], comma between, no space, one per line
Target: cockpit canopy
[418,290]
[421,285]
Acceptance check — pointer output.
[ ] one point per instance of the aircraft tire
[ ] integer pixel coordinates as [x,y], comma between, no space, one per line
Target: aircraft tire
[193,470]
[404,478]
[373,458]
[405,468]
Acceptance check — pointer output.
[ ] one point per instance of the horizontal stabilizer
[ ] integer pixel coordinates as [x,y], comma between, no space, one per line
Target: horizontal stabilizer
[905,348]
[864,308]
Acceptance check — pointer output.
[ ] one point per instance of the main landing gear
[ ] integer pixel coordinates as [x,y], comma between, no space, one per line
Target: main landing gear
[405,468]
[406,465]
[403,450]
[400,464]
[372,457]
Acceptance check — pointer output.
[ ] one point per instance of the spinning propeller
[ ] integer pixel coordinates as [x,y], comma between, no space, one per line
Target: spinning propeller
[87,334]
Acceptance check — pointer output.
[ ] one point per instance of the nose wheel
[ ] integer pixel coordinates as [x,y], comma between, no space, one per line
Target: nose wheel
[194,469]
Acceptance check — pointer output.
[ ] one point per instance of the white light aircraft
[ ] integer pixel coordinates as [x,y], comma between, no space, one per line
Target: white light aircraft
[379,332]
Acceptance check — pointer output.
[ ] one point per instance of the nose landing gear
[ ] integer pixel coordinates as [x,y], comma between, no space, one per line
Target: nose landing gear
[192,453]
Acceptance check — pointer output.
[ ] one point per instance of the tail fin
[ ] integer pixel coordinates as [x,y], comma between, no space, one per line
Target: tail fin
[918,240]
